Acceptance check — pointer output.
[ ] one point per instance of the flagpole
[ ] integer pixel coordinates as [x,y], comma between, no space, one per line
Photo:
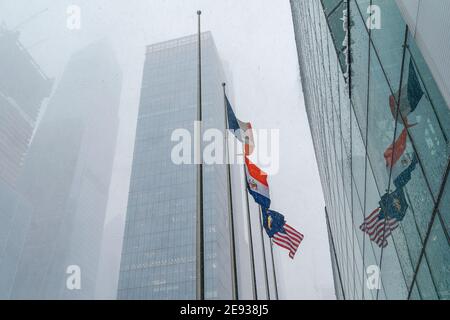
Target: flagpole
[264,254]
[252,255]
[274,271]
[234,280]
[200,280]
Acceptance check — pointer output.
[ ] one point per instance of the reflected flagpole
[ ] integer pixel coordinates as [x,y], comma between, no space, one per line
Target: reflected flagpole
[234,279]
[200,279]
[264,254]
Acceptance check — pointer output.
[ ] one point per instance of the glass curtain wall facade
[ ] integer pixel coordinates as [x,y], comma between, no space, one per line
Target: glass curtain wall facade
[159,248]
[366,88]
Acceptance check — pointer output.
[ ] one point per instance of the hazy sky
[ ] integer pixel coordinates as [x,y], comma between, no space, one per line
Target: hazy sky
[255,40]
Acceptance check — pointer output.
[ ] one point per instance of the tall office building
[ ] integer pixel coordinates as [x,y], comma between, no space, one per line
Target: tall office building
[369,82]
[23,88]
[66,179]
[159,247]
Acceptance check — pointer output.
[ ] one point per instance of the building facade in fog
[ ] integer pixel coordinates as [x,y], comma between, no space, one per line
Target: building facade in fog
[66,178]
[158,255]
[23,88]
[377,98]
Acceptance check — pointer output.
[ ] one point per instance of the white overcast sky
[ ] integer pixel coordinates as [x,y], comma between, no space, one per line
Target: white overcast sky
[255,40]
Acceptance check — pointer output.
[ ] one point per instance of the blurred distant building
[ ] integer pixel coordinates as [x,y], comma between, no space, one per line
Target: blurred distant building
[109,263]
[23,88]
[366,79]
[67,175]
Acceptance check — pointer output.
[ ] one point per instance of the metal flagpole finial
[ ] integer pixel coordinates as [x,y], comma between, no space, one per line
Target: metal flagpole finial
[199,12]
[223,84]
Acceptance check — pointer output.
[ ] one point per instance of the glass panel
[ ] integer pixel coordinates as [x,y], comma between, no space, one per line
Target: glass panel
[388,40]
[348,247]
[392,273]
[415,295]
[335,21]
[359,66]
[425,282]
[408,246]
[434,100]
[438,255]
[358,272]
[372,203]
[430,141]
[381,123]
[445,206]
[330,5]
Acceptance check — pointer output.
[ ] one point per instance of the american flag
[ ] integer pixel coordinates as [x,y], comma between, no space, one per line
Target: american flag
[379,227]
[290,239]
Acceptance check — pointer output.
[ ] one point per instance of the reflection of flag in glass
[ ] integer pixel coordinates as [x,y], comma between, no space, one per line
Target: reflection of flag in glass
[378,228]
[411,95]
[393,205]
[385,219]
[394,152]
[282,234]
[403,178]
[241,130]
[257,184]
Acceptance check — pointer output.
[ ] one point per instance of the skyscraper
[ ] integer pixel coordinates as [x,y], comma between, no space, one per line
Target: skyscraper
[377,94]
[23,88]
[158,255]
[66,178]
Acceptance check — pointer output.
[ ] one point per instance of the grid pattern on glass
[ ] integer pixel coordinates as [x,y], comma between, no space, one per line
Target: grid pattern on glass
[353,123]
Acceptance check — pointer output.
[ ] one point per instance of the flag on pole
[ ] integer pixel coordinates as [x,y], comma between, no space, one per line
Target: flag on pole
[257,184]
[281,233]
[241,130]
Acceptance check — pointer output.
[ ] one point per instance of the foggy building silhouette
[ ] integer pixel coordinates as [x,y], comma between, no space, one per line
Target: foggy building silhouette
[67,175]
[23,88]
